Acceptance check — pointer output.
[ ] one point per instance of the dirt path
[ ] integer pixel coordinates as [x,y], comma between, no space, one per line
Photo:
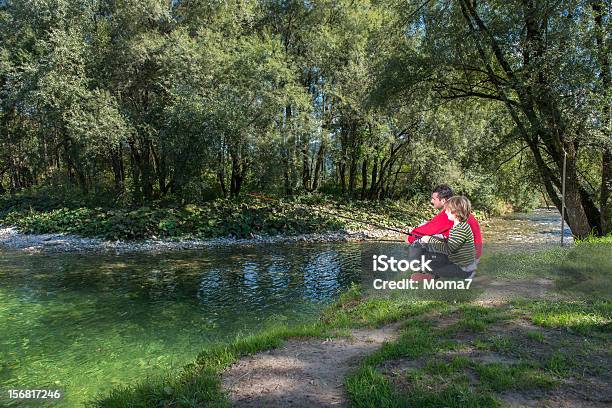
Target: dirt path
[303,373]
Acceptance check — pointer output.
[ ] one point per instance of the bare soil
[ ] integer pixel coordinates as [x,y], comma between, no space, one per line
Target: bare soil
[303,373]
[498,291]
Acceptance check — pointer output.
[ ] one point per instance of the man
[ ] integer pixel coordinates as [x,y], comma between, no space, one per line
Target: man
[440,225]
[459,260]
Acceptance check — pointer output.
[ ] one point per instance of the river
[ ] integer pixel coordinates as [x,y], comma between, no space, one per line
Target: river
[85,323]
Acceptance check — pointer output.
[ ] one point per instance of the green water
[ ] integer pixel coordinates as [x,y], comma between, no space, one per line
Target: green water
[88,323]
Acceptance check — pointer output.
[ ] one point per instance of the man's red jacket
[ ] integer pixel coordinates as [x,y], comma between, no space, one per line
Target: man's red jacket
[440,224]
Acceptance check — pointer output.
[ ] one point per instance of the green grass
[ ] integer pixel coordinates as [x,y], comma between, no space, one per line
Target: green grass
[524,265]
[577,327]
[576,270]
[593,239]
[414,340]
[579,273]
[368,388]
[537,336]
[580,316]
[560,364]
[501,344]
[473,318]
[198,384]
[443,381]
[522,376]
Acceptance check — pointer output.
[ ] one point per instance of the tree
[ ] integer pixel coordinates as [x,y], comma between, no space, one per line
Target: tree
[540,61]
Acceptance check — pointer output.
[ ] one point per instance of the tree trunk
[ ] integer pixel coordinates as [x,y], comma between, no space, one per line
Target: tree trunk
[352,175]
[118,169]
[145,171]
[318,167]
[221,166]
[342,177]
[373,183]
[288,162]
[344,140]
[135,170]
[161,171]
[221,179]
[237,177]
[364,177]
[305,167]
[606,192]
[577,218]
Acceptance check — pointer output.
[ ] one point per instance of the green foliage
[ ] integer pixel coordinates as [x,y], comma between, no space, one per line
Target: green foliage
[593,239]
[219,218]
[186,101]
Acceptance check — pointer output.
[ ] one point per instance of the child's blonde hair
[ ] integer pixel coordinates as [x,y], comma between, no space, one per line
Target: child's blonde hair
[459,206]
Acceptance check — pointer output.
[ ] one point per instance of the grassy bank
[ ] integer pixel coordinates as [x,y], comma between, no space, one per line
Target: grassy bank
[550,350]
[452,351]
[220,218]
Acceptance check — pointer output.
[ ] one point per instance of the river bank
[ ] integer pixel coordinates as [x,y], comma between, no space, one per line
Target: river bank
[542,227]
[11,238]
[249,221]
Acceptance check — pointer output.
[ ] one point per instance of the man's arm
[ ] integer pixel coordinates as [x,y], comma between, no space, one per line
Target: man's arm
[440,224]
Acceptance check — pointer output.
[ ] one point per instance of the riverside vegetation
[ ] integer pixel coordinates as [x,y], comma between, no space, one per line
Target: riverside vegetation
[240,218]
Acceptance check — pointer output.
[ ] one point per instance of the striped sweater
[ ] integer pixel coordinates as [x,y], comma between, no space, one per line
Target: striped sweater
[460,245]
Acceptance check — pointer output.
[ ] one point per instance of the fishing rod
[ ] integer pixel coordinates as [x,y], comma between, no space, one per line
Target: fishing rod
[380,226]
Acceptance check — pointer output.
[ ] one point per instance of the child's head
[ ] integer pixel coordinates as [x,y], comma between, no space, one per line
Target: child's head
[459,207]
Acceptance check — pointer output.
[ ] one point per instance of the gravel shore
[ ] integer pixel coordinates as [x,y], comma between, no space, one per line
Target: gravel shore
[11,238]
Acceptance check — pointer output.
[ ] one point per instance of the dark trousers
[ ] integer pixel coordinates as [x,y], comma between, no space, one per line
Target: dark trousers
[440,265]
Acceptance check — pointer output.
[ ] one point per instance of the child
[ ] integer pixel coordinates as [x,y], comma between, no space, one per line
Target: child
[457,254]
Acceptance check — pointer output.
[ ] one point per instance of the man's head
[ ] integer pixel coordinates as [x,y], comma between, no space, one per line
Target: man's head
[439,195]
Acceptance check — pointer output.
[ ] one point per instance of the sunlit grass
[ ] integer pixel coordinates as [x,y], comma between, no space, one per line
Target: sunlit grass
[446,383]
[593,239]
[580,316]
